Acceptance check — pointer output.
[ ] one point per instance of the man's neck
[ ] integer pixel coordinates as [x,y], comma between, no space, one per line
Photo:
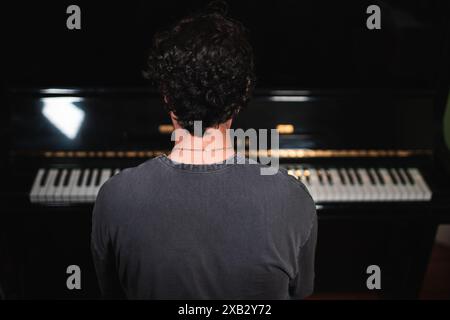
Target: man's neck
[213,147]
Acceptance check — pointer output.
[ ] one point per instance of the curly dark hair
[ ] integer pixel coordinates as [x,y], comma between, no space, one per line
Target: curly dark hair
[203,67]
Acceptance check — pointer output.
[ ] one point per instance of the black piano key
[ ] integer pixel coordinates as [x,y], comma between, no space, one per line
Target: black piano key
[89,178]
[371,177]
[358,177]
[97,179]
[408,176]
[67,178]
[58,177]
[400,176]
[379,176]
[319,174]
[329,178]
[342,178]
[80,178]
[393,178]
[44,178]
[350,179]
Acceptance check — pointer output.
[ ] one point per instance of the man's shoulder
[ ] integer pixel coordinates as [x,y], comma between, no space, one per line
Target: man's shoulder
[127,179]
[299,204]
[293,182]
[276,177]
[120,192]
[296,193]
[289,198]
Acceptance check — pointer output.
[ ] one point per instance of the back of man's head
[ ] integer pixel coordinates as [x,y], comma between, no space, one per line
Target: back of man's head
[203,67]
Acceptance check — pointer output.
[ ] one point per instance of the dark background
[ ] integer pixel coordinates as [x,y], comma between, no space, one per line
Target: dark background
[298,44]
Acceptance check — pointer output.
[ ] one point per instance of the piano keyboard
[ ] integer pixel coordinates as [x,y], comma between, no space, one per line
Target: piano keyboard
[69,185]
[324,184]
[362,184]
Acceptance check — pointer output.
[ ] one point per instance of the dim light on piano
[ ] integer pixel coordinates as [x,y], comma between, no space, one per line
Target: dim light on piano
[285,128]
[59,91]
[165,128]
[64,114]
[289,98]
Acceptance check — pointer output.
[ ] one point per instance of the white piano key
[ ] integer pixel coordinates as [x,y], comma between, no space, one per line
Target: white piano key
[419,192]
[420,182]
[410,186]
[47,195]
[329,185]
[350,188]
[354,187]
[400,187]
[60,187]
[380,189]
[78,190]
[357,188]
[337,188]
[105,174]
[84,186]
[376,185]
[346,188]
[314,186]
[410,191]
[332,187]
[67,190]
[300,173]
[306,176]
[42,187]
[323,189]
[368,190]
[390,191]
[324,185]
[90,197]
[321,195]
[418,188]
[36,185]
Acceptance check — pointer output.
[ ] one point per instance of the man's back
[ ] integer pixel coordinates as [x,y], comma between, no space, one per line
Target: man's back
[167,230]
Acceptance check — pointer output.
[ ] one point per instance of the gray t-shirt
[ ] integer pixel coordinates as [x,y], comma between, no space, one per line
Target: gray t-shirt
[166,230]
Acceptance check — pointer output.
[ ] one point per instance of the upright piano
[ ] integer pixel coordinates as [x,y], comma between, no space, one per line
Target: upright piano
[372,161]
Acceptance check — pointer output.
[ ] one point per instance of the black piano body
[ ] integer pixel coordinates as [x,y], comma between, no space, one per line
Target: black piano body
[357,151]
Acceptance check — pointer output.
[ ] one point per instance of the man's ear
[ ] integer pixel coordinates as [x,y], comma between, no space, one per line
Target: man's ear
[175,123]
[228,123]
[172,116]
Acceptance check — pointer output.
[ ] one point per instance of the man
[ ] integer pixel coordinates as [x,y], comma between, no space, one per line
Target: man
[199,223]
